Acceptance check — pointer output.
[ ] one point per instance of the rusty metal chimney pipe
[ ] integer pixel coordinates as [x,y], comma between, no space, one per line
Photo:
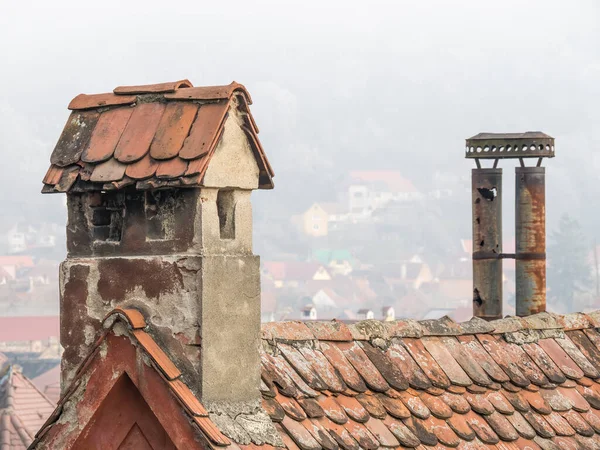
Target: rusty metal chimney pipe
[486,194]
[530,226]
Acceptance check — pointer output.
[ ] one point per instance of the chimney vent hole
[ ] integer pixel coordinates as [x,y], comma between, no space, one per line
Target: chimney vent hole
[488,194]
[226,211]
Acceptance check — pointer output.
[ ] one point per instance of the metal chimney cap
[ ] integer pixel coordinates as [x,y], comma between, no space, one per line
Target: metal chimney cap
[531,144]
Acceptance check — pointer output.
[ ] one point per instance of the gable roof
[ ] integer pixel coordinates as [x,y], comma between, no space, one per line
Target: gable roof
[23,409]
[515,383]
[293,270]
[148,136]
[127,362]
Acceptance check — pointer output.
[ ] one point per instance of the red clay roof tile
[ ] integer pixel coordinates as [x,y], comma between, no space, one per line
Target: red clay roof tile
[333,410]
[173,129]
[544,362]
[302,366]
[362,435]
[363,365]
[291,407]
[578,357]
[311,407]
[559,424]
[210,93]
[521,425]
[158,88]
[437,406]
[426,362]
[188,398]
[53,175]
[474,348]
[406,437]
[502,427]
[273,409]
[537,402]
[137,136]
[346,370]
[353,408]
[74,138]
[321,435]
[142,169]
[106,135]
[300,434]
[134,318]
[442,356]
[407,366]
[373,406]
[85,101]
[388,370]
[578,423]
[323,369]
[341,435]
[503,359]
[161,359]
[107,171]
[212,432]
[442,431]
[561,358]
[481,428]
[171,168]
[580,339]
[330,331]
[204,131]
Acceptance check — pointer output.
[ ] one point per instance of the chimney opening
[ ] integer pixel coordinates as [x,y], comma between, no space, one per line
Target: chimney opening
[226,212]
[160,213]
[106,217]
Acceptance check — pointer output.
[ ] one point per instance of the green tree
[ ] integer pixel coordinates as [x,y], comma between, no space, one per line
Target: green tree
[569,269]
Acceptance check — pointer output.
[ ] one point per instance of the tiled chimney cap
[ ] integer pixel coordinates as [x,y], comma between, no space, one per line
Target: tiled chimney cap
[147,137]
[531,144]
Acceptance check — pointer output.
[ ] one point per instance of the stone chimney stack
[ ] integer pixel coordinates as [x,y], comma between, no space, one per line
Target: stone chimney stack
[158,181]
[530,224]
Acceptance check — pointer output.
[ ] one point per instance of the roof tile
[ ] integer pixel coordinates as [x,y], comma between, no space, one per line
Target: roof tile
[161,359]
[204,131]
[460,426]
[373,406]
[353,408]
[502,427]
[481,428]
[591,352]
[500,402]
[578,357]
[418,429]
[137,136]
[300,434]
[85,101]
[209,93]
[446,361]
[467,362]
[502,358]
[427,363]
[383,364]
[302,366]
[106,135]
[544,362]
[559,424]
[134,318]
[415,405]
[578,423]
[53,175]
[323,369]
[311,407]
[273,409]
[339,433]
[321,435]
[382,433]
[288,331]
[291,407]
[407,366]
[174,127]
[362,435]
[74,138]
[577,401]
[479,403]
[442,431]
[333,410]
[188,398]
[153,88]
[330,331]
[538,423]
[110,170]
[437,406]
[171,168]
[406,437]
[142,169]
[561,358]
[537,402]
[342,365]
[521,425]
[525,364]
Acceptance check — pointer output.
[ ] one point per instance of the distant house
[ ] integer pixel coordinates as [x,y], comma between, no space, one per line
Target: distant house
[294,273]
[388,313]
[370,190]
[317,220]
[12,264]
[365,314]
[337,261]
[309,312]
[329,299]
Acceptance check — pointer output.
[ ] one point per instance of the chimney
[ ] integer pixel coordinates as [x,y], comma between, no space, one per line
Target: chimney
[158,181]
[530,221]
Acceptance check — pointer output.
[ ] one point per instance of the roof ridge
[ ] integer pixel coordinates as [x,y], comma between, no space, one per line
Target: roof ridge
[335,330]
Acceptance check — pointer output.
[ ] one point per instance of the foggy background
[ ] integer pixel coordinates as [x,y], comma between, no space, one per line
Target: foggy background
[337,86]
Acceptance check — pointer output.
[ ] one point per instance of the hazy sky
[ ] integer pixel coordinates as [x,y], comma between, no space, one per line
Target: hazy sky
[336,85]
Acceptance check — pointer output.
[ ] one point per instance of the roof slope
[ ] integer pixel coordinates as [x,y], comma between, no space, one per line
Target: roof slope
[512,384]
[23,409]
[148,136]
[128,370]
